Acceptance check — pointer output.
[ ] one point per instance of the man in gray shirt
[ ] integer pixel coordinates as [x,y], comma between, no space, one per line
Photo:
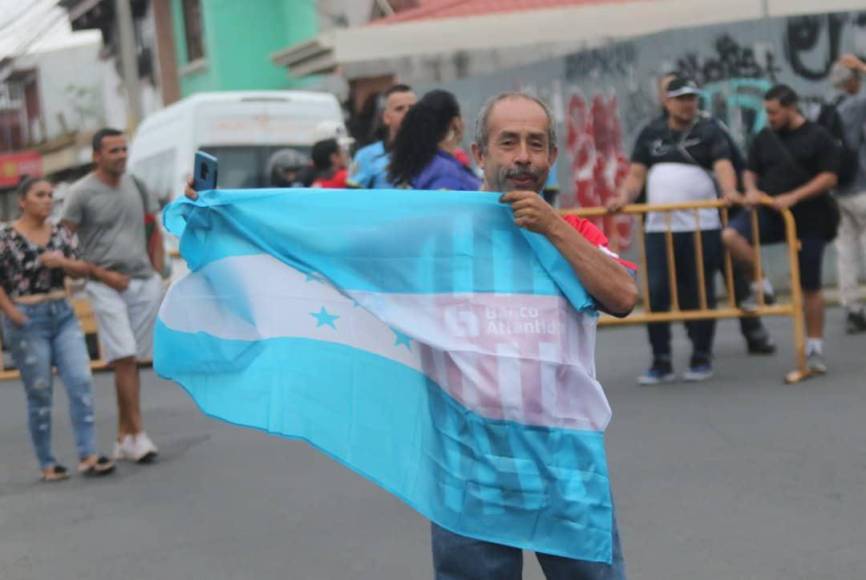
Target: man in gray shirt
[107,208]
[846,76]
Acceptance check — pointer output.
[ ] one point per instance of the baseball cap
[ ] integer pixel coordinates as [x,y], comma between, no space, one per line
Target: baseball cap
[332,130]
[680,87]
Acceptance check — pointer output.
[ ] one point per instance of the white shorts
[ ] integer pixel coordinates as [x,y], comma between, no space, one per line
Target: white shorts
[126,319]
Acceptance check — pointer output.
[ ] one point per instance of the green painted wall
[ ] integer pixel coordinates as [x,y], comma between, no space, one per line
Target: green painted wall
[240,37]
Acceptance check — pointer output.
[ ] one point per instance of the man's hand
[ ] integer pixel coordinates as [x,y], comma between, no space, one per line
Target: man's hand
[616,203]
[785,201]
[53,259]
[115,280]
[852,62]
[531,211]
[753,198]
[733,197]
[188,190]
[18,318]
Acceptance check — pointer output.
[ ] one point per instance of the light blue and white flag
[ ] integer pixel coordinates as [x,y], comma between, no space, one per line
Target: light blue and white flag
[417,337]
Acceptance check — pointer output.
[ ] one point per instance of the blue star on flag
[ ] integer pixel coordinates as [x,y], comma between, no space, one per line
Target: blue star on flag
[401,339]
[323,317]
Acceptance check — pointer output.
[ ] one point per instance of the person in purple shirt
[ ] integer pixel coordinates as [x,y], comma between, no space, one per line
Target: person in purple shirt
[423,151]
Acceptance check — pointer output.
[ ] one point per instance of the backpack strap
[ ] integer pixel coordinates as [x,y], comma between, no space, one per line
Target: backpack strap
[142,192]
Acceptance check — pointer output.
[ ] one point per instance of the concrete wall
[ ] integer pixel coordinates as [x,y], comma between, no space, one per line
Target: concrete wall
[602,97]
[69,82]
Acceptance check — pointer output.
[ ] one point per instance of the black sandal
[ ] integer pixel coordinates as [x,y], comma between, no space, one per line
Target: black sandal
[57,473]
[103,466]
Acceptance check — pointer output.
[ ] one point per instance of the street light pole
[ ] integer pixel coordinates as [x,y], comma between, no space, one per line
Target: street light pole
[128,62]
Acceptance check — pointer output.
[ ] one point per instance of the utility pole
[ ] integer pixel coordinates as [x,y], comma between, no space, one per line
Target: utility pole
[128,62]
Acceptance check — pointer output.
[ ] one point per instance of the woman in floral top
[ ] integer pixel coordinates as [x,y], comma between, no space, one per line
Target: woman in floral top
[40,327]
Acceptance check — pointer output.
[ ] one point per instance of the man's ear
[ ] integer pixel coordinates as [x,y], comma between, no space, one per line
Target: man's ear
[554,154]
[478,155]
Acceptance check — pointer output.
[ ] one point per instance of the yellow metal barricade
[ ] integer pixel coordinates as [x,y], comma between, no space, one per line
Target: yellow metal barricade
[729,309]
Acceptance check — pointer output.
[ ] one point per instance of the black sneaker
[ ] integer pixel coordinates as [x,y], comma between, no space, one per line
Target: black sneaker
[761,345]
[700,369]
[856,322]
[660,372]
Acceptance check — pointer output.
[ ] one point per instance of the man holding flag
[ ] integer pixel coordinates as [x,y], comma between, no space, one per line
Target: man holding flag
[516,147]
[507,451]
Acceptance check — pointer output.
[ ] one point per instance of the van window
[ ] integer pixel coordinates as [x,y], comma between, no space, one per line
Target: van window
[246,167]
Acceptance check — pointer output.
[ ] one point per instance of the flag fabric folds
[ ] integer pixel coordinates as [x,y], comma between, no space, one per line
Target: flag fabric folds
[417,337]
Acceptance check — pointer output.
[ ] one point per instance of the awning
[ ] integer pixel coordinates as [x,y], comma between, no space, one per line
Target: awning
[579,26]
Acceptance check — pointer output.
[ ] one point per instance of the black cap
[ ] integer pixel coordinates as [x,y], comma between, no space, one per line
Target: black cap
[680,87]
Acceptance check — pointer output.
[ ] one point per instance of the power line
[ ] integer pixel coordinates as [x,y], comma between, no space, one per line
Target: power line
[12,22]
[25,46]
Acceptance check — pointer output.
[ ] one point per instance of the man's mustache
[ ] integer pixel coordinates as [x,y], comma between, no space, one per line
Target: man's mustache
[523,173]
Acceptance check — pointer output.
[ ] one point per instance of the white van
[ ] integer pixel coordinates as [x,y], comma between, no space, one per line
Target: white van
[241,129]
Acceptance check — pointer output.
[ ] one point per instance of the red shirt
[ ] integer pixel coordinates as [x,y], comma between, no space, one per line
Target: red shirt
[337,181]
[596,237]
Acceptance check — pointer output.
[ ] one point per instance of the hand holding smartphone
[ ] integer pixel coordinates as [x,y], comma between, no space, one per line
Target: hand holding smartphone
[205,171]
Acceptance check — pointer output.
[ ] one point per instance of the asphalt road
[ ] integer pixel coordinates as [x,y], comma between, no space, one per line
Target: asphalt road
[741,477]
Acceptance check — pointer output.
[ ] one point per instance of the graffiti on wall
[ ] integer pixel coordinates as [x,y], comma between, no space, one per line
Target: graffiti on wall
[594,144]
[813,43]
[728,60]
[601,97]
[739,104]
[616,59]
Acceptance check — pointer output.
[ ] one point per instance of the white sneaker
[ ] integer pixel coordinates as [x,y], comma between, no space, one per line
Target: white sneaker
[123,449]
[144,451]
[138,448]
[816,363]
[750,303]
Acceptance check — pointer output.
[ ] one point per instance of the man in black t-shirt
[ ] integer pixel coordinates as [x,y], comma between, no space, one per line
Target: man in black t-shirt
[794,161]
[758,340]
[678,157]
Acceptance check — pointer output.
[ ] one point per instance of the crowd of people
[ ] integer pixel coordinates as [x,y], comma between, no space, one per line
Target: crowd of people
[816,168]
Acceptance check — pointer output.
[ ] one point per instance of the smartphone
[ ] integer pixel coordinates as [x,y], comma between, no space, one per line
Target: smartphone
[205,171]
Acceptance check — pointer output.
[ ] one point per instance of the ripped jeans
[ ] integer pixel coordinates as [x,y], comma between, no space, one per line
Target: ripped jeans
[52,337]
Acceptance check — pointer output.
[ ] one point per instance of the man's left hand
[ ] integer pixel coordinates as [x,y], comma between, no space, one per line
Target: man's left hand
[784,201]
[531,211]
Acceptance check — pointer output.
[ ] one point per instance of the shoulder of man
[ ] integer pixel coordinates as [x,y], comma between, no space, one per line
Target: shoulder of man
[88,182]
[711,125]
[137,183]
[817,130]
[654,127]
[368,152]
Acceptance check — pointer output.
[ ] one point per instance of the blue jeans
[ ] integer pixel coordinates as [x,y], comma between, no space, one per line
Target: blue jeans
[701,332]
[457,557]
[52,337]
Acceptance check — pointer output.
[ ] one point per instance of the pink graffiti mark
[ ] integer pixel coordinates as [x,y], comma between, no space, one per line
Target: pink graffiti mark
[598,163]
